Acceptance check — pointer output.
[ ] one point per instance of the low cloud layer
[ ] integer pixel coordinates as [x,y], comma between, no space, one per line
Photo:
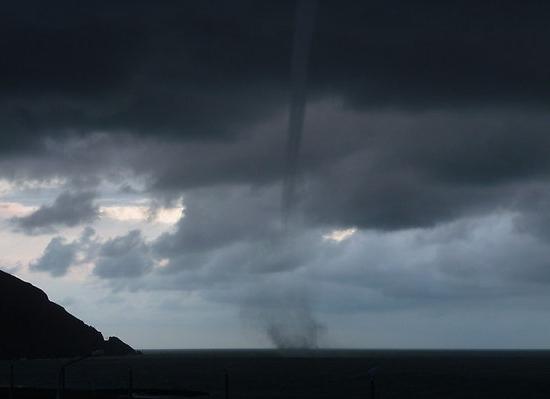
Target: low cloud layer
[474,257]
[123,257]
[289,288]
[68,210]
[57,257]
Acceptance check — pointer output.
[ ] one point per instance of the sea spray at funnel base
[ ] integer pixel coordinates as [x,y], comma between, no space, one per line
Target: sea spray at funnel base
[284,314]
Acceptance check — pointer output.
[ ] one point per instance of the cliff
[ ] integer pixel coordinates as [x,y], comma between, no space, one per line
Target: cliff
[34,327]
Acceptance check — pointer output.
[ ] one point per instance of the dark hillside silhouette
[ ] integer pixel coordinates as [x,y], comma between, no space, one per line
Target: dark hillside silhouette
[34,327]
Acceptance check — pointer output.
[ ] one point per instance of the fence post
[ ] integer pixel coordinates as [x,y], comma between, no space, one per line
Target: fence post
[12,382]
[61,383]
[226,384]
[130,383]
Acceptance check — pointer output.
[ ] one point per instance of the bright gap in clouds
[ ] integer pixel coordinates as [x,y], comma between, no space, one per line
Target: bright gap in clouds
[142,213]
[15,209]
[5,187]
[340,235]
[123,213]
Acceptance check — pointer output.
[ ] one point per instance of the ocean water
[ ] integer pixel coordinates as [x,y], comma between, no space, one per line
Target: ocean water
[308,374]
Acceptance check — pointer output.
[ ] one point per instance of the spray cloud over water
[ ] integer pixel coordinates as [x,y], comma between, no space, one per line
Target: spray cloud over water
[285,316]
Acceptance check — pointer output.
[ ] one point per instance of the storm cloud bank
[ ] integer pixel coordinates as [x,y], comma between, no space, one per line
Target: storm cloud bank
[171,70]
[425,139]
[419,100]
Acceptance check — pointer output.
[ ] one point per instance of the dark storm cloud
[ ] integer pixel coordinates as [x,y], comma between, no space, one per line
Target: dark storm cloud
[447,101]
[123,257]
[197,70]
[60,254]
[227,234]
[420,169]
[241,215]
[433,54]
[57,257]
[178,69]
[69,209]
[376,169]
[126,256]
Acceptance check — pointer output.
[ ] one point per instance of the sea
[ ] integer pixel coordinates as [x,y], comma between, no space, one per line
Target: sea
[243,374]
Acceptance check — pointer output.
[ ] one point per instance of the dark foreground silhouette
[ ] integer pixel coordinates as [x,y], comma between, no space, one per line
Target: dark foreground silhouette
[51,393]
[271,374]
[34,327]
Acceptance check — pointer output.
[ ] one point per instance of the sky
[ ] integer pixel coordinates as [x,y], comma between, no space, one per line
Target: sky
[144,154]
